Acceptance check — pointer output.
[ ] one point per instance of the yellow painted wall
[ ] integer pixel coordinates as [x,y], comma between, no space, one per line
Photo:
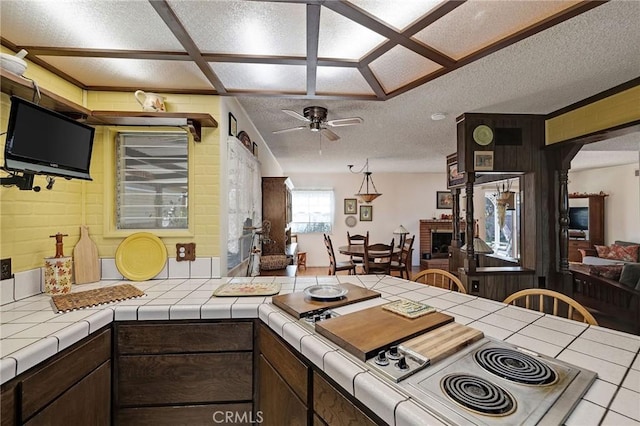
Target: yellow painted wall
[615,110]
[28,218]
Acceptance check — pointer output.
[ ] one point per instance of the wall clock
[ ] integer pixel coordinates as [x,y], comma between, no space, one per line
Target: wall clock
[483,135]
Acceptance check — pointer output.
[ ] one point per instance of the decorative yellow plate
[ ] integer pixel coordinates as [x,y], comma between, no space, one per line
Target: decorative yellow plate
[483,135]
[141,256]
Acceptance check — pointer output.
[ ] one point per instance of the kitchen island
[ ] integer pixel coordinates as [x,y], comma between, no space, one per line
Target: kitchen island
[32,334]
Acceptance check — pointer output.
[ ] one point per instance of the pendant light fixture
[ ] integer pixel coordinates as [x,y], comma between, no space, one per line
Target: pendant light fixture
[367,196]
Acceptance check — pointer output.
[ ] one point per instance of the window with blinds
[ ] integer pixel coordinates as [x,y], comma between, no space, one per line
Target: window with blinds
[312,211]
[152,181]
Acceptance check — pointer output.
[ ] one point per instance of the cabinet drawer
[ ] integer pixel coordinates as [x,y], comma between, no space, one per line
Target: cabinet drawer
[183,338]
[58,375]
[209,414]
[290,367]
[333,407]
[184,378]
[86,403]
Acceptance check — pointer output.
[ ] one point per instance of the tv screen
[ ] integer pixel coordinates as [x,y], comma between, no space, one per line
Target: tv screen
[40,141]
[579,218]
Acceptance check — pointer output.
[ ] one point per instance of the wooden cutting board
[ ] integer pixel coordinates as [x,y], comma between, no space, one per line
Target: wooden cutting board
[364,333]
[298,305]
[86,264]
[443,342]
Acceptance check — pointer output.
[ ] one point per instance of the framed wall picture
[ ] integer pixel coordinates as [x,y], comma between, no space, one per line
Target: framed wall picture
[454,177]
[350,206]
[366,213]
[444,200]
[482,160]
[255,149]
[233,125]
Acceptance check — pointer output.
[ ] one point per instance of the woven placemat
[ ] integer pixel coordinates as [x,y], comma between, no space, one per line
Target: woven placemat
[85,299]
[247,289]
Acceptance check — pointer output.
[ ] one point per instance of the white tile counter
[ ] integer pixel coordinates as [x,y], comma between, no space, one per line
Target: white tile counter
[31,332]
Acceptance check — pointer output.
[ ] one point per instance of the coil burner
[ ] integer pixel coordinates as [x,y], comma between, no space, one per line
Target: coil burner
[478,395]
[515,366]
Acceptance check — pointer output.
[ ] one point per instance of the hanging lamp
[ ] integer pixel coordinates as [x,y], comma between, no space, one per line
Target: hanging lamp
[367,196]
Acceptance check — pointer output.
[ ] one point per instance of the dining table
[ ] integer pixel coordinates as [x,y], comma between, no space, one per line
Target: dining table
[357,250]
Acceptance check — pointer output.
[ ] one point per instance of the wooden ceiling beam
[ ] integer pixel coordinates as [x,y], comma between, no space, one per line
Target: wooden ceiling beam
[313,35]
[175,26]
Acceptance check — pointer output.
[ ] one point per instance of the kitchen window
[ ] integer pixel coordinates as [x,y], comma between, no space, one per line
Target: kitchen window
[313,211]
[152,186]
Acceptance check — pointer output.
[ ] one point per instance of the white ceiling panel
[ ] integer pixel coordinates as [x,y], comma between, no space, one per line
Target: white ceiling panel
[86,24]
[344,39]
[397,13]
[400,66]
[123,72]
[341,80]
[477,24]
[246,27]
[262,77]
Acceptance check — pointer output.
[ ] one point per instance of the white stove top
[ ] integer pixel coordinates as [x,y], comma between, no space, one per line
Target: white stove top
[462,391]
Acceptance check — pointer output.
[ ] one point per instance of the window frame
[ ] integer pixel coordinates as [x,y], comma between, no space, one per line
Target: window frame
[110,170]
[332,206]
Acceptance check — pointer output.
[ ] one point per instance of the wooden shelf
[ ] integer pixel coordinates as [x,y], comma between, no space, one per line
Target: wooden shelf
[14,85]
[193,120]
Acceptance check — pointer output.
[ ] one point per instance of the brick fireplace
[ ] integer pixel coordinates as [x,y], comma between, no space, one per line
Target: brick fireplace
[438,231]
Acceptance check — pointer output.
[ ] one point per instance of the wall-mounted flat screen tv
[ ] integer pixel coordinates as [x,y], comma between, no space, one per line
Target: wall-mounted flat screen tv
[579,218]
[41,141]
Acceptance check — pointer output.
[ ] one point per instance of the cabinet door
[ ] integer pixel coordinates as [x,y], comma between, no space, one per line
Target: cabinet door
[278,405]
[207,414]
[334,408]
[184,378]
[86,403]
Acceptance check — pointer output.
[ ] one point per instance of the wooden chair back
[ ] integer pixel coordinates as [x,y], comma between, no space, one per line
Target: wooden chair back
[381,264]
[335,266]
[358,238]
[401,261]
[440,278]
[544,299]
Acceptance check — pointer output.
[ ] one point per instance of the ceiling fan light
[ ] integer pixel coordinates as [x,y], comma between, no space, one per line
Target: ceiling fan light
[315,126]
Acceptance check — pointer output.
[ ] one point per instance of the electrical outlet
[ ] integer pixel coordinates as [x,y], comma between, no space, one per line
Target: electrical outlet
[185,251]
[475,286]
[5,269]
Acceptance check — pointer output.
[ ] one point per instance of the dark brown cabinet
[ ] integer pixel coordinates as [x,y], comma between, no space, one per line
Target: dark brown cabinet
[291,392]
[283,382]
[73,387]
[187,372]
[276,208]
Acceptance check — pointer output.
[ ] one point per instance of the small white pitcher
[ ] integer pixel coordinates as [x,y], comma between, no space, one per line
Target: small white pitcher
[150,101]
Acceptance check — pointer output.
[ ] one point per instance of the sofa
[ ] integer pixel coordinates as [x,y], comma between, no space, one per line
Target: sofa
[608,283]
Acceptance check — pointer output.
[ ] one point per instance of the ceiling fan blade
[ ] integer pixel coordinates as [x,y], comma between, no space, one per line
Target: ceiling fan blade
[329,135]
[275,132]
[345,122]
[295,115]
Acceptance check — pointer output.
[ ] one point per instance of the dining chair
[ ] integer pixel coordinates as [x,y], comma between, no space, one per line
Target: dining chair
[440,278]
[381,262]
[541,298]
[358,239]
[335,266]
[401,262]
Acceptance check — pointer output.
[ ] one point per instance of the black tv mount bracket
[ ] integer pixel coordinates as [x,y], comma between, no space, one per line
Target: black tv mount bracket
[24,182]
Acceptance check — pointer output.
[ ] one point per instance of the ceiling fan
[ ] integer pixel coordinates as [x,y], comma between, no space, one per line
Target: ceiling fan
[317,118]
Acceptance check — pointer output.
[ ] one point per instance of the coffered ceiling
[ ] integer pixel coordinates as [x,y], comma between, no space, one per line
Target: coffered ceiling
[391,63]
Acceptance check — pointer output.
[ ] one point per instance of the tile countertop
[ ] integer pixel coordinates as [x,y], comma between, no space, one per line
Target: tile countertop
[31,332]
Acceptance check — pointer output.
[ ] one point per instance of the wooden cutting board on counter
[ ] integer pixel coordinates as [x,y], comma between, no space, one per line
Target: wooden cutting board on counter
[443,342]
[86,265]
[298,305]
[364,333]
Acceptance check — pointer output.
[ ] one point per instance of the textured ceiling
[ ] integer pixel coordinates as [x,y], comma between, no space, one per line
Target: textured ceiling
[392,63]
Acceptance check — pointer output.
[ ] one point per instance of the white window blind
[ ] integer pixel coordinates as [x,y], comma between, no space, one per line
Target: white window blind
[152,188]
[313,211]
